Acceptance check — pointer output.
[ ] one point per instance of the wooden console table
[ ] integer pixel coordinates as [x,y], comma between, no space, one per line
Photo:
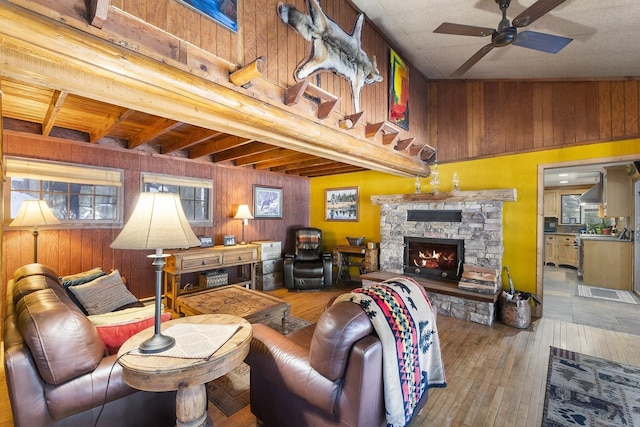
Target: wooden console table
[204,259]
[368,264]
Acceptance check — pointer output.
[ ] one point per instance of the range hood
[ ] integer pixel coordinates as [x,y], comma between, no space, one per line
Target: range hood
[594,194]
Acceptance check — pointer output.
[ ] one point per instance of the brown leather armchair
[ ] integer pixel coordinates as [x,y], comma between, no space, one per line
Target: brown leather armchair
[327,374]
[308,267]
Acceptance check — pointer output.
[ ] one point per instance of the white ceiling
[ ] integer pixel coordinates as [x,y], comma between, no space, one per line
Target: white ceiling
[606,38]
[605,33]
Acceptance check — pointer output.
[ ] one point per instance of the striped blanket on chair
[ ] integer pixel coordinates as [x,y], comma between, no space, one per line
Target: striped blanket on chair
[403,319]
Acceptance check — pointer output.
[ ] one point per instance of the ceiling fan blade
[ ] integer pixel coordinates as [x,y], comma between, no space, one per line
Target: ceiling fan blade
[535,11]
[541,41]
[463,30]
[472,61]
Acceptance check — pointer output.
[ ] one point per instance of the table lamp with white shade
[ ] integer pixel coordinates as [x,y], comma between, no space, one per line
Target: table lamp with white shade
[158,222]
[245,215]
[34,213]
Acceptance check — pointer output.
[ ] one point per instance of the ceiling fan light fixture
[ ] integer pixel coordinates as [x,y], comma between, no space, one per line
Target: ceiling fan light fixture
[504,37]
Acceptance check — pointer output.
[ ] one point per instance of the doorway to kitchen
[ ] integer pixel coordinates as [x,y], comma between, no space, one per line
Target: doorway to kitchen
[558,281]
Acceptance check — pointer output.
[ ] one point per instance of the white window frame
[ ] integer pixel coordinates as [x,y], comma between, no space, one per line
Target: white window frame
[69,173]
[183,181]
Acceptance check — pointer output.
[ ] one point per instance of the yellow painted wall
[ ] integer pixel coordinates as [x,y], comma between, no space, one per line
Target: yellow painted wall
[519,171]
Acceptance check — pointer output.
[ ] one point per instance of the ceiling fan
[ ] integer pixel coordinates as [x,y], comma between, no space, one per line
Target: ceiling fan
[507,33]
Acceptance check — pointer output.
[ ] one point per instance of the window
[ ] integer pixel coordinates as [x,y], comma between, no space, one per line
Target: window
[570,209]
[76,194]
[195,194]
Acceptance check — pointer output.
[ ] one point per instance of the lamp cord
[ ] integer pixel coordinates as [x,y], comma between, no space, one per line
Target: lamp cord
[104,401]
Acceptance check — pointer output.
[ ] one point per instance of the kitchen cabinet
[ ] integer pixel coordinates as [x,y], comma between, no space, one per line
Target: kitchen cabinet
[618,192]
[567,254]
[607,263]
[551,201]
[550,249]
[560,250]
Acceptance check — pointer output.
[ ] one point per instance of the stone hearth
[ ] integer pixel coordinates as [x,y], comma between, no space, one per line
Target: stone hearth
[480,228]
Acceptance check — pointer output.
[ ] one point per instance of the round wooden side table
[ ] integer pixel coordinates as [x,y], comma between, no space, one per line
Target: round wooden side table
[187,376]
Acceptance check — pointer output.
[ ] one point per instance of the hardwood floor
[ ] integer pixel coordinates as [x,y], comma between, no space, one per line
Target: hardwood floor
[495,375]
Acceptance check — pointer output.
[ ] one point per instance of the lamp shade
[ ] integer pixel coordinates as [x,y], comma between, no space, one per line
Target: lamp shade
[243,212]
[33,213]
[157,222]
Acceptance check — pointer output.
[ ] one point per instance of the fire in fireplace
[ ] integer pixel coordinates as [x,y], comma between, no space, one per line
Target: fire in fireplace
[440,259]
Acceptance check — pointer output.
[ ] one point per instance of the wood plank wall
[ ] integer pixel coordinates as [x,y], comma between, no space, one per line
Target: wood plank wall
[474,119]
[72,250]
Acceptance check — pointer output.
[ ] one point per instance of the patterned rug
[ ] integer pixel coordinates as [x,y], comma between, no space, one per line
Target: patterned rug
[230,392]
[587,391]
[606,294]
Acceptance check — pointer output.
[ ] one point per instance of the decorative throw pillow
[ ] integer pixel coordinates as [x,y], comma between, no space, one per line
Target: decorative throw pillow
[104,294]
[80,279]
[116,327]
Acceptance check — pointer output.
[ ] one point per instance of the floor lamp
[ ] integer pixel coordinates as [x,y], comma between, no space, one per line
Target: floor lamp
[243,214]
[157,222]
[34,213]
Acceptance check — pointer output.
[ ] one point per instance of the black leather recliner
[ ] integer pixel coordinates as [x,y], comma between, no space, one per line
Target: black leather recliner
[308,267]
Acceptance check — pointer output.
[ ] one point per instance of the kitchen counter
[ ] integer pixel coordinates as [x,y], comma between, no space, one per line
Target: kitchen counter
[602,237]
[607,262]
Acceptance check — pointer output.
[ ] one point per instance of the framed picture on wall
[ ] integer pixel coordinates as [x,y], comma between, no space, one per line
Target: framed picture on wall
[224,12]
[398,91]
[267,202]
[341,204]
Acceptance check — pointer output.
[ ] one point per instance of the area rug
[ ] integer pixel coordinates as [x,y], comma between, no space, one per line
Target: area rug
[606,294]
[588,391]
[230,392]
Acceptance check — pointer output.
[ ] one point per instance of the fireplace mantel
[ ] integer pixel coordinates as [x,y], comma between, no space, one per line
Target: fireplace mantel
[504,195]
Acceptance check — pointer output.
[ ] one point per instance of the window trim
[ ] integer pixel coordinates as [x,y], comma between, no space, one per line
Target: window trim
[71,173]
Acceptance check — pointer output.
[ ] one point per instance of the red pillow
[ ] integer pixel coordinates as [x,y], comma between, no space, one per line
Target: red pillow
[115,335]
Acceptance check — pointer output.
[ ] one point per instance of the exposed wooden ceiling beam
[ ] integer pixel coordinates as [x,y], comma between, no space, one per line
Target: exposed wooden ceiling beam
[283,161]
[195,137]
[275,153]
[161,126]
[100,70]
[332,171]
[315,161]
[242,151]
[52,112]
[226,143]
[108,124]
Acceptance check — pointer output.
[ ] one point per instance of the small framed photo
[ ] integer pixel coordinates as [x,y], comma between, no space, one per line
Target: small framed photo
[267,202]
[206,241]
[341,204]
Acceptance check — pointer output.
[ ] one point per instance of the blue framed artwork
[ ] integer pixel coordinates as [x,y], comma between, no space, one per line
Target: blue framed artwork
[224,12]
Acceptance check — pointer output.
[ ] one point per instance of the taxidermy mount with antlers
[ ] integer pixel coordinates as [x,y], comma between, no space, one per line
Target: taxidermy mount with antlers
[332,48]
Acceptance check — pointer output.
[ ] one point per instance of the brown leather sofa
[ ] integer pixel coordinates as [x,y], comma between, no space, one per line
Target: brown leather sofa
[327,374]
[57,367]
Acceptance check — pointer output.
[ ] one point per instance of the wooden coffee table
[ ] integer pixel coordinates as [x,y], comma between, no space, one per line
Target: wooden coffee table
[254,306]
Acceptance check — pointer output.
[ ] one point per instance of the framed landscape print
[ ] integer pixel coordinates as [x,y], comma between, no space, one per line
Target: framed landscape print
[398,91]
[341,204]
[267,202]
[224,12]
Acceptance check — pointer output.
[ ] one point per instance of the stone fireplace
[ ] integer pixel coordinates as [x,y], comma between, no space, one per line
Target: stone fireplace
[472,219]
